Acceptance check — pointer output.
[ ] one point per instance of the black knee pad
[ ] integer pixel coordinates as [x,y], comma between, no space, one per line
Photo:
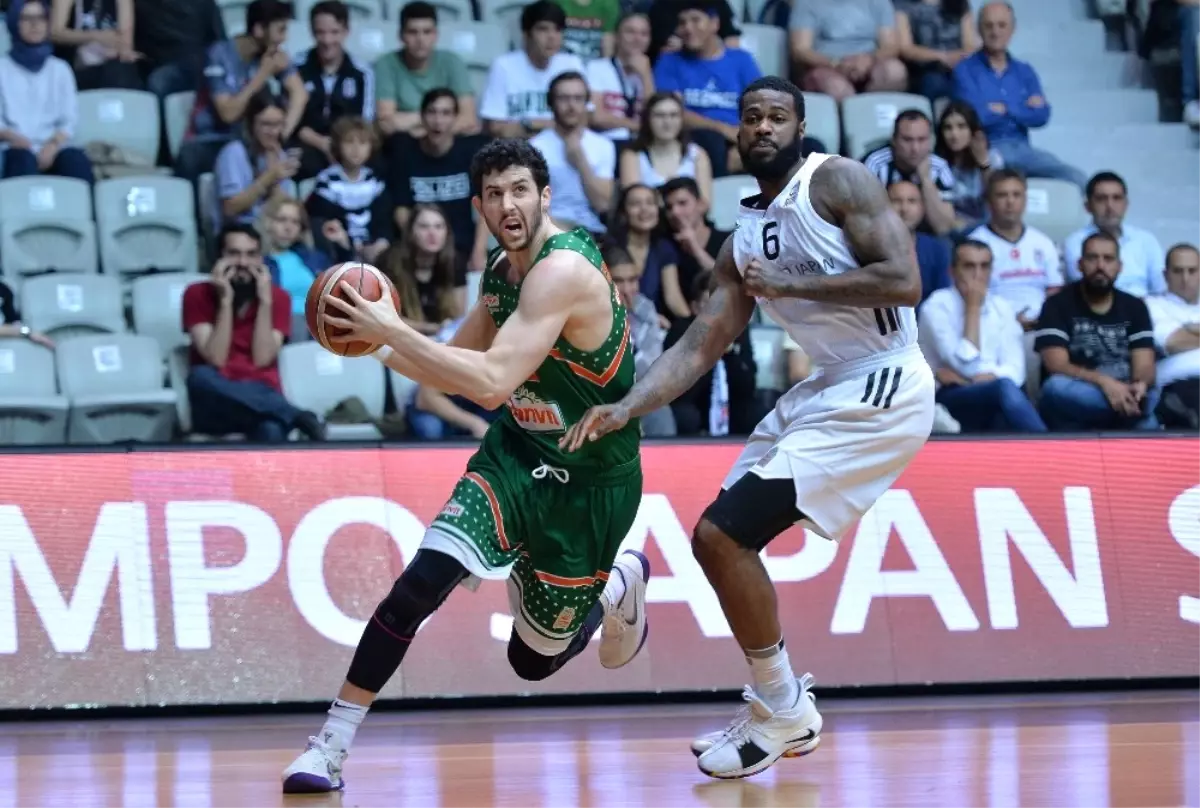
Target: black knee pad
[418,592]
[528,663]
[753,511]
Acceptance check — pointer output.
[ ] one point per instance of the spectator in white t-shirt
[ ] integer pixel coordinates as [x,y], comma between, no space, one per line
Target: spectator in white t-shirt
[514,102]
[1025,264]
[622,83]
[1142,258]
[581,162]
[1176,320]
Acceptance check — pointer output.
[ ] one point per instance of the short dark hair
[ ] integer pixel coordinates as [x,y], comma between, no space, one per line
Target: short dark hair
[778,85]
[265,12]
[570,75]
[910,115]
[973,243]
[679,184]
[436,93]
[259,103]
[1180,247]
[334,8]
[615,255]
[1100,235]
[234,228]
[505,153]
[542,11]
[417,10]
[709,7]
[1105,176]
[1003,175]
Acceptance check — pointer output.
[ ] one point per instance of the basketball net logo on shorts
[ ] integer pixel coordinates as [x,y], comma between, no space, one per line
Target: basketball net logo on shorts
[533,413]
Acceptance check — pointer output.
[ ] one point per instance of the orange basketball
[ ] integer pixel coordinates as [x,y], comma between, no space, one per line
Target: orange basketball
[367,280]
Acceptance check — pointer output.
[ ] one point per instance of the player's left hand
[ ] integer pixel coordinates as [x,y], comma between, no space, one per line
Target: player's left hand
[764,281]
[360,319]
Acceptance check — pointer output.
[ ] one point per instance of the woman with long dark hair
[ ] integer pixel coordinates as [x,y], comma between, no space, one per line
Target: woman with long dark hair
[250,170]
[427,273]
[639,228]
[662,151]
[963,144]
[934,36]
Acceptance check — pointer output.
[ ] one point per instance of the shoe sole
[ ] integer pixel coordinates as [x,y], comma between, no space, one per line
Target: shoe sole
[646,620]
[799,750]
[305,783]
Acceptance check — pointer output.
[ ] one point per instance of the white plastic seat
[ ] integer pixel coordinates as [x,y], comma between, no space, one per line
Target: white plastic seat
[869,118]
[46,224]
[128,119]
[177,109]
[728,193]
[769,46]
[146,223]
[115,385]
[1055,207]
[65,305]
[822,120]
[476,43]
[315,379]
[158,309]
[32,411]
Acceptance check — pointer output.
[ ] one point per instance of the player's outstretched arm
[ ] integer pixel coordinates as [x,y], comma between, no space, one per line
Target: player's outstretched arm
[723,319]
[846,194]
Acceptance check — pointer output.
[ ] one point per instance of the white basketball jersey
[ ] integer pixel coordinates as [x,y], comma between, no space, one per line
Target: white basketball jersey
[791,236]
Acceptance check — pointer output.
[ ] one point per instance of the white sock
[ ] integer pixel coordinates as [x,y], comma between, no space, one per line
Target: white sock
[614,590]
[342,722]
[774,681]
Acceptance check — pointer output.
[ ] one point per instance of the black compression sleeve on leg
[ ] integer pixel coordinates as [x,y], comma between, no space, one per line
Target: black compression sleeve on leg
[532,666]
[417,593]
[753,511]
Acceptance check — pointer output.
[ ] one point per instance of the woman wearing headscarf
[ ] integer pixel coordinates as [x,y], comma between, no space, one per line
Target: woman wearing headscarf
[38,100]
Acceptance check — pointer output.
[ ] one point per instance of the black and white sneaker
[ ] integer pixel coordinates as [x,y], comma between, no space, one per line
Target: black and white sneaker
[704,742]
[760,736]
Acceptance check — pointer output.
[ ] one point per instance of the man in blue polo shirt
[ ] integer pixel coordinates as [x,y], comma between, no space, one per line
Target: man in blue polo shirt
[1007,95]
[710,78]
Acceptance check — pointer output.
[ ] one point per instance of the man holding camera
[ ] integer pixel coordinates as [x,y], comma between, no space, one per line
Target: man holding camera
[237,323]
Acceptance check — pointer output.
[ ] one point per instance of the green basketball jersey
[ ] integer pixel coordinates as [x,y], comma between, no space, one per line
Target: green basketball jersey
[569,381]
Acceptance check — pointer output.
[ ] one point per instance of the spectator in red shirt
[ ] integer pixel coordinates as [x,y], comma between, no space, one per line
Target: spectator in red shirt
[236,323]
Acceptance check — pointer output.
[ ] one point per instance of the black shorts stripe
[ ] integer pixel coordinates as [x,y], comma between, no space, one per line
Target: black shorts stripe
[870,384]
[879,322]
[887,402]
[879,391]
[893,322]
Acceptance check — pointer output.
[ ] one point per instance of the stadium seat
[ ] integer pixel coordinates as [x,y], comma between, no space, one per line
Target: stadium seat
[46,224]
[299,40]
[506,14]
[31,410]
[868,119]
[128,119]
[475,42]
[157,308]
[210,206]
[146,223]
[73,305]
[115,385]
[1055,207]
[769,44]
[317,380]
[474,278]
[728,193]
[403,390]
[177,108]
[233,14]
[367,41]
[822,120]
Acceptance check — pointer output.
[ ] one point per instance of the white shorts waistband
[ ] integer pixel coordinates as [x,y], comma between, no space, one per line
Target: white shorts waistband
[868,364]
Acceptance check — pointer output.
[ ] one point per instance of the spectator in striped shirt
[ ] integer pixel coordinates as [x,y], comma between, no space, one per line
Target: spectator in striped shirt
[909,157]
[350,206]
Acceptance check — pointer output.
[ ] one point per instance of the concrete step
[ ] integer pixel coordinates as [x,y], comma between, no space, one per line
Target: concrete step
[1104,107]
[1060,40]
[1170,172]
[1063,136]
[1033,13]
[1112,71]
[1170,232]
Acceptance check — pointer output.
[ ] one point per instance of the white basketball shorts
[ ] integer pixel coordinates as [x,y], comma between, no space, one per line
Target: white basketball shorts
[843,436]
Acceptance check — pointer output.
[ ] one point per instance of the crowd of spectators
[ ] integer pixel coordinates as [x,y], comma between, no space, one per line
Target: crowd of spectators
[634,107]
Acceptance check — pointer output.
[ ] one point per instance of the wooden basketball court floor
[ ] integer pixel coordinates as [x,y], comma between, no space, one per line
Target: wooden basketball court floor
[1125,749]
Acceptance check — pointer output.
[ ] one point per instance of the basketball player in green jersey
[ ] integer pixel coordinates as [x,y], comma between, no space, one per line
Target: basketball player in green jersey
[547,340]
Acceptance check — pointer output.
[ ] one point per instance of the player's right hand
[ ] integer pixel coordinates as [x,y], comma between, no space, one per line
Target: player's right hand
[595,424]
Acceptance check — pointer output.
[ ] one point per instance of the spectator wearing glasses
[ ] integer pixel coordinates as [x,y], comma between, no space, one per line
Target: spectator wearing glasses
[38,101]
[407,75]
[1097,347]
[1142,259]
[662,151]
[976,348]
[252,169]
[338,85]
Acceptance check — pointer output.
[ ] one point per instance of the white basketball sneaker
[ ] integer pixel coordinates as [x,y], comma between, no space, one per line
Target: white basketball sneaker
[704,742]
[624,630]
[318,770]
[759,736]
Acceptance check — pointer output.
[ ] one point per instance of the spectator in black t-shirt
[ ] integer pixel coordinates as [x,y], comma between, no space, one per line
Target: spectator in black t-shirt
[428,274]
[350,206]
[338,85]
[696,240]
[1097,347]
[436,169]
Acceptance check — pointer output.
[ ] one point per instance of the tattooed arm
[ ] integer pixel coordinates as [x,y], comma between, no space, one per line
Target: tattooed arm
[724,318]
[847,195]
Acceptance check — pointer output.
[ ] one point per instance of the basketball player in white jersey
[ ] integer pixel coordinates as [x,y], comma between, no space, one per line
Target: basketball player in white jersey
[821,250]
